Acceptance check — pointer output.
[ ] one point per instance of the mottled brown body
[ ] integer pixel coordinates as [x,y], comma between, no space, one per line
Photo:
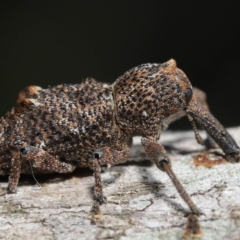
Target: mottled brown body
[67,121]
[92,124]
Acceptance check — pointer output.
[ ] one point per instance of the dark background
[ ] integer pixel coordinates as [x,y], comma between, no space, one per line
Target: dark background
[51,42]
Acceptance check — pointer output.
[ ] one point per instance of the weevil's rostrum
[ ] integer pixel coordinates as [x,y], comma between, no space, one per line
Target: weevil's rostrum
[92,124]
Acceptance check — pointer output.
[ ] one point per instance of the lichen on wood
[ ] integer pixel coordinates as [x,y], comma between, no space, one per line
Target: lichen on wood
[142,201]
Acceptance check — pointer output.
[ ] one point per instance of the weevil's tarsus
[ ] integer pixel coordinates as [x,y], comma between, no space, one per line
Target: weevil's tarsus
[193,228]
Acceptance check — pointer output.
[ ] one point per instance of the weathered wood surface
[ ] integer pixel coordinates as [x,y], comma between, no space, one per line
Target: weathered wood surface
[142,201]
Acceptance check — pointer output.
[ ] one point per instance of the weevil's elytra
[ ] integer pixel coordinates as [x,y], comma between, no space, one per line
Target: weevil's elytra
[92,124]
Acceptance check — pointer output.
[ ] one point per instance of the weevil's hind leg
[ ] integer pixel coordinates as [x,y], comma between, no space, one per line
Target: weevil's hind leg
[39,159]
[43,160]
[14,172]
[158,155]
[103,156]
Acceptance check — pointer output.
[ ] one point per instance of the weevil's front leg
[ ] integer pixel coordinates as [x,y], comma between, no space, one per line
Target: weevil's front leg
[158,155]
[104,156]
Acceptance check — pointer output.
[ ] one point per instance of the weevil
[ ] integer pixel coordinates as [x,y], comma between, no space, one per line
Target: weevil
[92,124]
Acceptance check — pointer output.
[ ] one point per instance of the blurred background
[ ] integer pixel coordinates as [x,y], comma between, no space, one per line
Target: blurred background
[50,42]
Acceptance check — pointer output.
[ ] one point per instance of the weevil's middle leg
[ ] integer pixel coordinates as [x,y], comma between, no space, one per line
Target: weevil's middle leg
[39,158]
[99,198]
[158,155]
[103,156]
[14,175]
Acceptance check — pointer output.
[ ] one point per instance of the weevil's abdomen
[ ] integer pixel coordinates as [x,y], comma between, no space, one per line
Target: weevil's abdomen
[69,121]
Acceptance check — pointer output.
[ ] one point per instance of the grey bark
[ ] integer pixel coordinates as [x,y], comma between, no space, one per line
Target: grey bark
[142,201]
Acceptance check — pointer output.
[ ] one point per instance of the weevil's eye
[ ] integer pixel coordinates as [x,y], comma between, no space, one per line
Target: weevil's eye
[188,95]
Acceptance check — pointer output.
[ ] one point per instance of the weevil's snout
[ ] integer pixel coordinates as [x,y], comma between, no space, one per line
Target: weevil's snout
[197,113]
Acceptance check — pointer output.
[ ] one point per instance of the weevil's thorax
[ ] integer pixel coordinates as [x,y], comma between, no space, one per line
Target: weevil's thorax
[147,94]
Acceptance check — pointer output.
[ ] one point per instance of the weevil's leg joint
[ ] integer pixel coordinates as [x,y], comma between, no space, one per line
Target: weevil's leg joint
[97,154]
[156,152]
[108,156]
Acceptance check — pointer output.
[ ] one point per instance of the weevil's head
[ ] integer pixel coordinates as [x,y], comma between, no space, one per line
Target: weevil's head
[147,94]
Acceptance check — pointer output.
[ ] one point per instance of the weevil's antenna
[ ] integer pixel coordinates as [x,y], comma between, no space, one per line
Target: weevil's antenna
[194,126]
[39,185]
[167,168]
